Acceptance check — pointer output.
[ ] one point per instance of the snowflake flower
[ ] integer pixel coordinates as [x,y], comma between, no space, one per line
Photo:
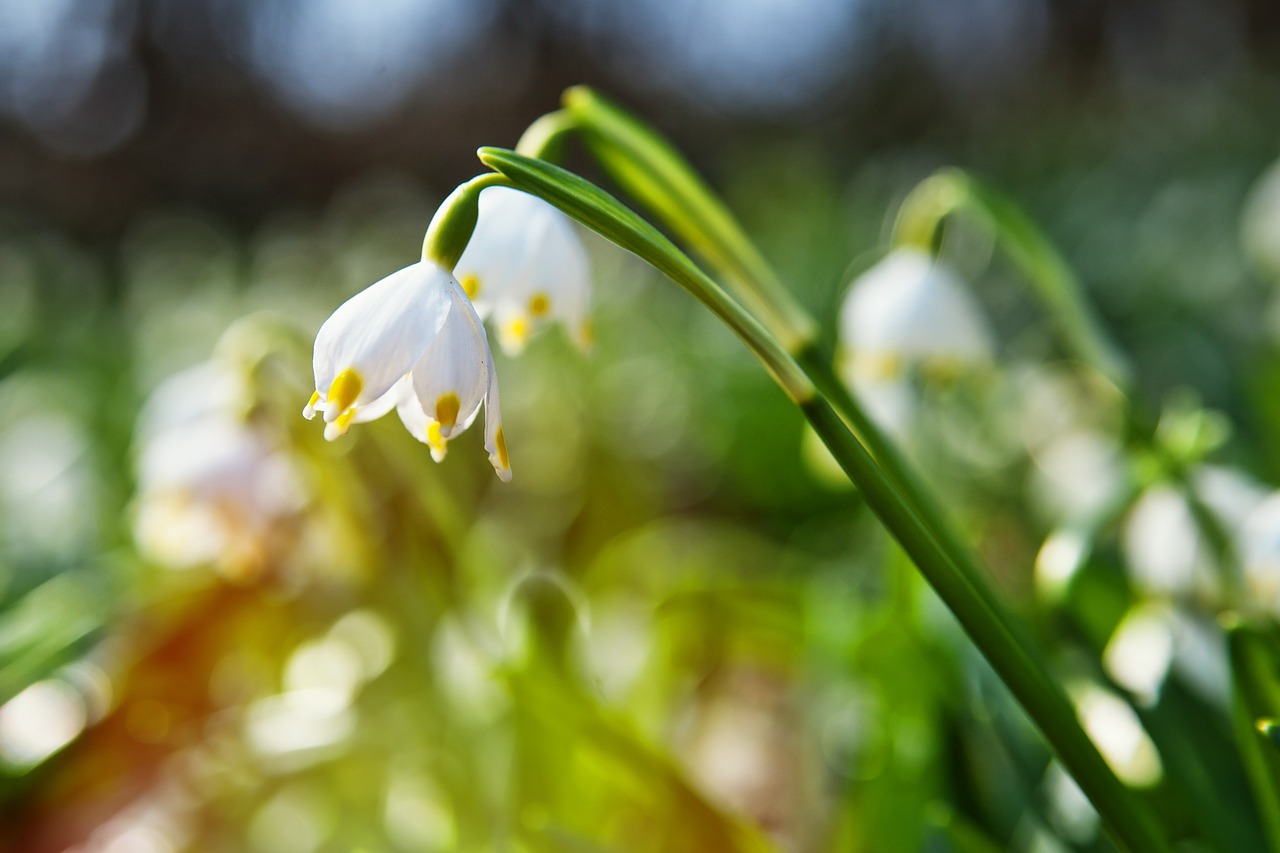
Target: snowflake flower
[526,267]
[410,342]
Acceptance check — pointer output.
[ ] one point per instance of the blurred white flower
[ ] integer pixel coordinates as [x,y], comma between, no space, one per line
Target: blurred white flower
[1155,640]
[1078,475]
[1116,730]
[907,311]
[1162,545]
[411,342]
[1162,539]
[1140,652]
[525,266]
[910,309]
[212,489]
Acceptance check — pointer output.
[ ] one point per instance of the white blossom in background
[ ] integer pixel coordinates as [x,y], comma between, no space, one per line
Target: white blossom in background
[410,342]
[212,488]
[1077,475]
[525,267]
[910,308]
[1118,733]
[908,311]
[1161,545]
[1155,640]
[1162,542]
[1139,654]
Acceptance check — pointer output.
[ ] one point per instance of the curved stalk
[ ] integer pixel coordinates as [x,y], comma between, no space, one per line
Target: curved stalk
[651,170]
[1013,657]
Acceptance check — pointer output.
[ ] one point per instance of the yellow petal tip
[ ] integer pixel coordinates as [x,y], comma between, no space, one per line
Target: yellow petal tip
[539,305]
[447,408]
[437,442]
[344,391]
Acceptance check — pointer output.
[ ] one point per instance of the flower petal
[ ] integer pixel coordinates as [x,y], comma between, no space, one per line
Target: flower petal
[527,268]
[494,440]
[376,336]
[422,427]
[452,377]
[912,307]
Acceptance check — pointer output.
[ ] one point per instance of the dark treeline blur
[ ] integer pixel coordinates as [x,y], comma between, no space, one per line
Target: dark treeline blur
[108,107]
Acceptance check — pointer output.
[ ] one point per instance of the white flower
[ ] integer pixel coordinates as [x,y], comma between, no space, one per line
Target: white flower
[411,342]
[1162,540]
[909,309]
[526,267]
[212,487]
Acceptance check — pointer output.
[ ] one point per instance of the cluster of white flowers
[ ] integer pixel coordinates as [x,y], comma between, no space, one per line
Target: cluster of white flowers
[415,341]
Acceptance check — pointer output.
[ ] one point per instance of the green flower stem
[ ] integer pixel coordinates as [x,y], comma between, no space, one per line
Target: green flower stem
[1009,655]
[950,191]
[652,171]
[455,220]
[545,138]
[1016,662]
[655,173]
[817,362]
[602,213]
[1254,700]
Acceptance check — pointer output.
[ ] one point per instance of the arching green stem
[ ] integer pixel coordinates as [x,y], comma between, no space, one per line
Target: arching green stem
[455,221]
[1014,658]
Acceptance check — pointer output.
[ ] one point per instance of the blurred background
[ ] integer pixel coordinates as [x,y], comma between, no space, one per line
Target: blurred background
[676,629]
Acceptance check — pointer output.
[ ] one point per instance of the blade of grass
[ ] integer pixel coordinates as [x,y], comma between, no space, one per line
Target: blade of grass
[1254,700]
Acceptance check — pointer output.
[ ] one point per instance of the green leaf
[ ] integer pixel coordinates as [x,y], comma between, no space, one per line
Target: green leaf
[1256,702]
[962,835]
[37,632]
[651,170]
[1049,276]
[1000,637]
[609,218]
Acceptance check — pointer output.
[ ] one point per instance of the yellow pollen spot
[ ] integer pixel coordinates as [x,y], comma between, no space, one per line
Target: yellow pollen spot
[343,421]
[470,285]
[878,365]
[447,410]
[587,334]
[439,446]
[345,389]
[501,441]
[518,330]
[539,304]
[315,398]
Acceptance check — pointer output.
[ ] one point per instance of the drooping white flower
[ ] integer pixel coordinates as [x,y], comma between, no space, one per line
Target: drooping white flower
[525,267]
[1162,539]
[910,309]
[411,342]
[907,311]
